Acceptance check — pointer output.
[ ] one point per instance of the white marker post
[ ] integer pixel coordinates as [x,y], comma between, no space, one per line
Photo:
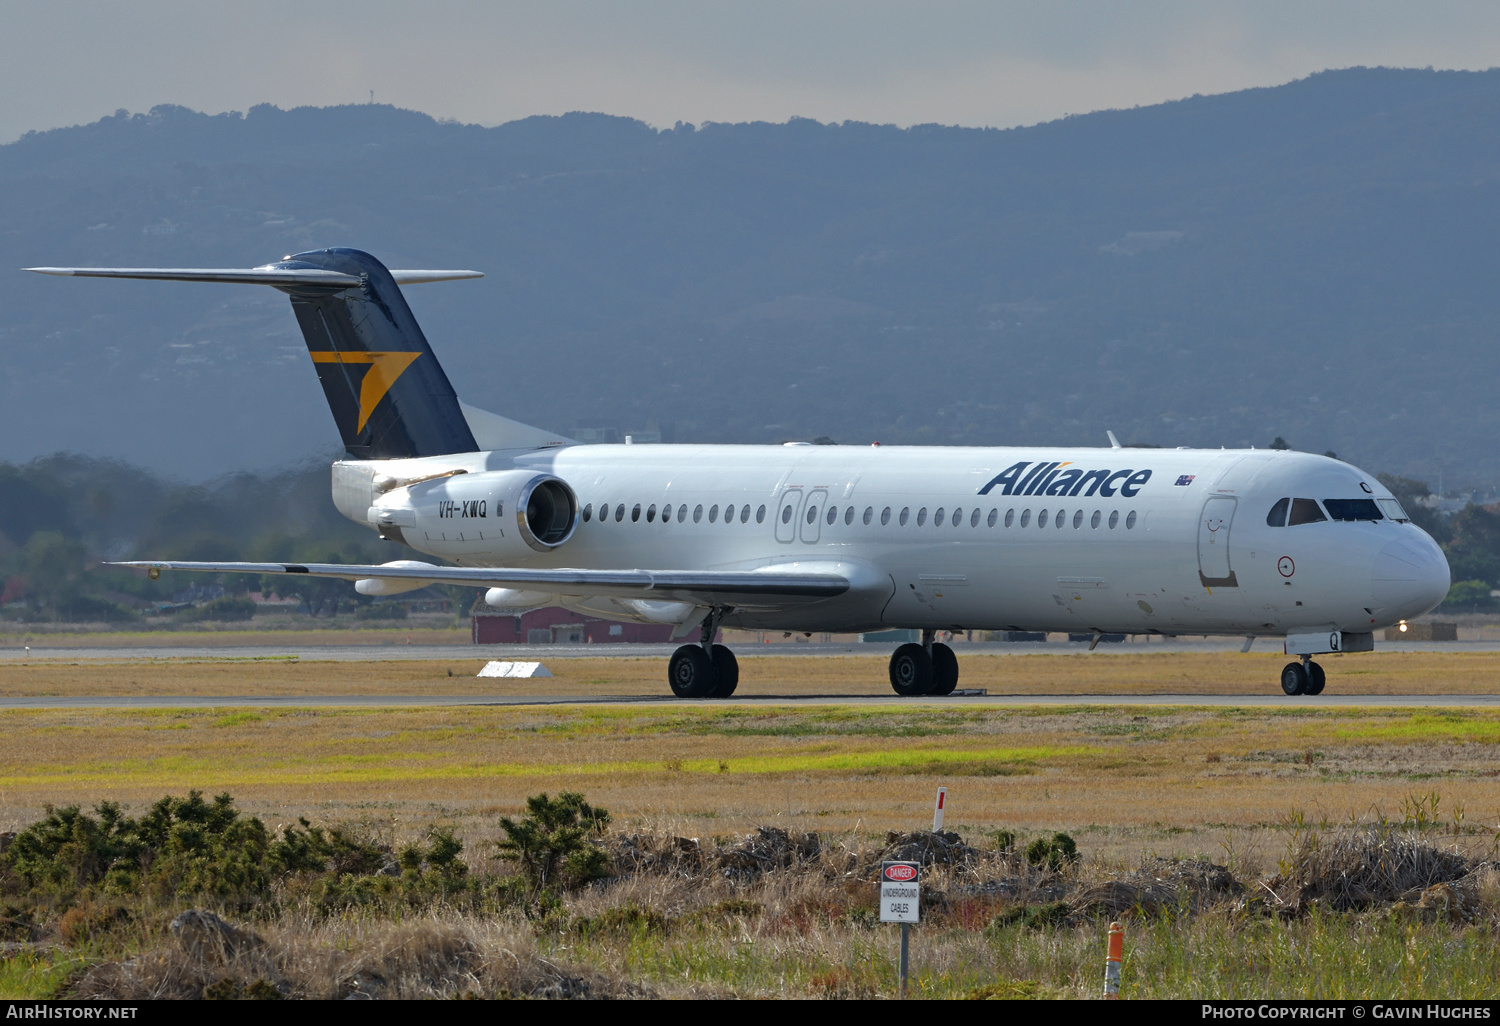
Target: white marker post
[901,902]
[937,809]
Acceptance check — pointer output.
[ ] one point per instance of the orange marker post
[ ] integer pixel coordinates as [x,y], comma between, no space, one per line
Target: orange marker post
[1112,962]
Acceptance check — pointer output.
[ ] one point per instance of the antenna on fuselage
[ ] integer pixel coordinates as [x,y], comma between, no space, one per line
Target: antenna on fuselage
[1114,443]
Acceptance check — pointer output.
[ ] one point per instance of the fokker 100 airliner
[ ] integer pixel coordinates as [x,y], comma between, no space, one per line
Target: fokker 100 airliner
[800,537]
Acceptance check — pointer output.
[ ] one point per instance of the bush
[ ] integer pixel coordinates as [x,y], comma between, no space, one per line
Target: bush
[86,609]
[1052,853]
[223,609]
[181,846]
[381,611]
[552,842]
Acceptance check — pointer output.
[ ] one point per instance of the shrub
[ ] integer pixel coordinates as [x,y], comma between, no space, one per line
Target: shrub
[1052,853]
[552,843]
[181,846]
[381,611]
[222,609]
[1033,917]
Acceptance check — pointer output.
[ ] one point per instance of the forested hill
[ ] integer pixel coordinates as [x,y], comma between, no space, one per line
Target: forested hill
[1316,261]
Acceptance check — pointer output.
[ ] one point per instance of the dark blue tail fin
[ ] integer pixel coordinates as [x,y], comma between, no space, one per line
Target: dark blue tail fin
[389,396]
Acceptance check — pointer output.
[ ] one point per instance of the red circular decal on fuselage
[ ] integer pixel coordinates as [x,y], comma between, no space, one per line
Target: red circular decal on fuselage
[900,873]
[1285,566]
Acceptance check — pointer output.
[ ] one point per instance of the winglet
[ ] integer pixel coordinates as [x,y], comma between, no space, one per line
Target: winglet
[1114,443]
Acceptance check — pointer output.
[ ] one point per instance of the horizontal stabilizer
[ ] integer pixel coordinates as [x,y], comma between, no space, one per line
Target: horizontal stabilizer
[251,275]
[704,587]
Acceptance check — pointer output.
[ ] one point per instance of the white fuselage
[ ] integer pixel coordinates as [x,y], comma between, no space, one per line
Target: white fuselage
[931,539]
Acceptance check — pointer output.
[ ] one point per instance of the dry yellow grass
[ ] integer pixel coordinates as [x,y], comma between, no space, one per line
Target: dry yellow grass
[1170,779]
[1076,673]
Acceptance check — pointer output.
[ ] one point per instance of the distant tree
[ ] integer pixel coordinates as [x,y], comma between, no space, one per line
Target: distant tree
[1279,443]
[1474,548]
[1420,504]
[53,568]
[1331,454]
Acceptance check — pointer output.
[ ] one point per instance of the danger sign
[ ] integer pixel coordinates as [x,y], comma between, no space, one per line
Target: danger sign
[900,892]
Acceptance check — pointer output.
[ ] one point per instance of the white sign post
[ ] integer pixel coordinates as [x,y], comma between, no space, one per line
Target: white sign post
[938,809]
[901,902]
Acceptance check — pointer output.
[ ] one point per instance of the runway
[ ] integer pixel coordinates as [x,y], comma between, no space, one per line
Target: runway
[1268,700]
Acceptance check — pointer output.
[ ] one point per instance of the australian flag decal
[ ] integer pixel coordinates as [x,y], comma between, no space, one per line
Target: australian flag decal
[1185,479]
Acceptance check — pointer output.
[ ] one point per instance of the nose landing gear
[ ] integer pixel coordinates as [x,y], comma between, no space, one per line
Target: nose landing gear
[930,668]
[1304,678]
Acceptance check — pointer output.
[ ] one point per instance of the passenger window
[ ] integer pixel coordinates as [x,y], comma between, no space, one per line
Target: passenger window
[682,513]
[1010,515]
[713,513]
[1041,519]
[729,512]
[1114,518]
[937,518]
[1025,517]
[1094,520]
[786,515]
[698,513]
[760,514]
[921,516]
[1392,508]
[869,514]
[1277,516]
[974,518]
[885,516]
[1061,516]
[812,513]
[635,514]
[1130,521]
[849,516]
[620,512]
[588,512]
[1077,520]
[1305,511]
[905,515]
[651,513]
[833,514]
[995,515]
[1352,509]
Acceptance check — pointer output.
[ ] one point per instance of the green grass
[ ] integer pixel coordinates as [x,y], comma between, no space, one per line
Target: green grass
[35,976]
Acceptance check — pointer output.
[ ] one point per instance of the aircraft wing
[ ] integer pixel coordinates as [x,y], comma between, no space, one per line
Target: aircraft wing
[773,586]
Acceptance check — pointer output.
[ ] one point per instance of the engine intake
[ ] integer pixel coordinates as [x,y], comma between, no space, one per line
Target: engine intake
[546,513]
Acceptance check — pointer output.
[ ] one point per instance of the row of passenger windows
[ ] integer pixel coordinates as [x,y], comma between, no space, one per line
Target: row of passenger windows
[618,512]
[1291,512]
[666,513]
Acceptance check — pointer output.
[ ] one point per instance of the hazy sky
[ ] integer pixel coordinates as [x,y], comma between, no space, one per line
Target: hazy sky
[972,63]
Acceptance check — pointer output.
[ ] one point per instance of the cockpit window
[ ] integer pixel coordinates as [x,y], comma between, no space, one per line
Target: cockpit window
[1392,509]
[1277,516]
[1305,511]
[1353,509]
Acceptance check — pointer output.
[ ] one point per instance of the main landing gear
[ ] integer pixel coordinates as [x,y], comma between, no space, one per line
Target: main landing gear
[704,670]
[926,669]
[1304,678]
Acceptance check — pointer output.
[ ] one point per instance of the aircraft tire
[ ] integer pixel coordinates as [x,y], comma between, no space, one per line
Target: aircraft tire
[1294,680]
[911,671]
[1316,679]
[944,670]
[691,673]
[727,667]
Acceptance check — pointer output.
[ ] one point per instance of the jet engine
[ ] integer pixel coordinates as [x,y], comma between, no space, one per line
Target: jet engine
[497,517]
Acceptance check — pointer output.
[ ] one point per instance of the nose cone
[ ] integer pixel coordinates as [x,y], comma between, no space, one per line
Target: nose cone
[1410,576]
